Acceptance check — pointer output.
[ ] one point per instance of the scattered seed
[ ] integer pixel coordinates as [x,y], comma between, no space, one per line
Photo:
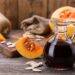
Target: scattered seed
[9,43]
[40,37]
[10,46]
[37,70]
[28,34]
[30,62]
[34,66]
[29,68]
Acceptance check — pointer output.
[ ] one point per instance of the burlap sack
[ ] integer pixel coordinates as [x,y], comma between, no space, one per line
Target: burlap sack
[36,25]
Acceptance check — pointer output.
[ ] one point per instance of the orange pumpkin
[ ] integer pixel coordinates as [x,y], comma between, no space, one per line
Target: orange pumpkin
[63,14]
[2,38]
[27,48]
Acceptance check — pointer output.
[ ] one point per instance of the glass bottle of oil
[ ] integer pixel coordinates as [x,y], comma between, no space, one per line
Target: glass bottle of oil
[59,51]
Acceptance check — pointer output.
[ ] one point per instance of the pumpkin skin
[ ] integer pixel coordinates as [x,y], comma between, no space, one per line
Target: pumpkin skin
[63,14]
[31,53]
[5,25]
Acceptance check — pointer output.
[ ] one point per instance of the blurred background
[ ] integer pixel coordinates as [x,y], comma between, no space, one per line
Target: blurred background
[18,10]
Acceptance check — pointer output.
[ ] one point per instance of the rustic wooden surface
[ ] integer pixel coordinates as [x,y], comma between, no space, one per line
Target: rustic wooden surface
[17,10]
[16,66]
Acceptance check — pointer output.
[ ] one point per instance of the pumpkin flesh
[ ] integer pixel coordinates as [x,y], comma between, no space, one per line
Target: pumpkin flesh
[2,38]
[27,50]
[63,14]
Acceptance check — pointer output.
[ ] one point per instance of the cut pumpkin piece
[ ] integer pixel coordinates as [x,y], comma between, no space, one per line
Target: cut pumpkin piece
[63,14]
[27,48]
[2,38]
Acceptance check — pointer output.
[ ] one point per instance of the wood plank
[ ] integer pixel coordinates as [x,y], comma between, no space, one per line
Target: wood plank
[2,6]
[71,3]
[54,4]
[51,7]
[61,3]
[11,11]
[28,8]
[16,66]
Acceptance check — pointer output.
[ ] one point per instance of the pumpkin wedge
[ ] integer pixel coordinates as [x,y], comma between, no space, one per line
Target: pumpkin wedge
[2,38]
[63,14]
[27,48]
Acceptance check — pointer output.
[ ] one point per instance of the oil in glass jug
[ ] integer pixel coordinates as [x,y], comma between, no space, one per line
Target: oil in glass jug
[59,51]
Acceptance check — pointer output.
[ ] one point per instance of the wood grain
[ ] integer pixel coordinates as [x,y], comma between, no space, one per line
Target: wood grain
[2,6]
[17,10]
[16,66]
[11,11]
[51,7]
[28,8]
[71,3]
[54,4]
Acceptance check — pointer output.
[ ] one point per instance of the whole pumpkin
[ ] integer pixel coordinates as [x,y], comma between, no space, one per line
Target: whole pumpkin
[5,25]
[63,14]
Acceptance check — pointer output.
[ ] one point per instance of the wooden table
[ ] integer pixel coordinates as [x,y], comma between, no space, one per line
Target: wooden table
[16,66]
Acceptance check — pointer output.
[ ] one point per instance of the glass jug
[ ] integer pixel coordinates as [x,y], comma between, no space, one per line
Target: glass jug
[59,51]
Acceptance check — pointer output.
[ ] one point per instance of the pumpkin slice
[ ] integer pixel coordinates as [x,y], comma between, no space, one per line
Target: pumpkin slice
[27,48]
[2,38]
[63,14]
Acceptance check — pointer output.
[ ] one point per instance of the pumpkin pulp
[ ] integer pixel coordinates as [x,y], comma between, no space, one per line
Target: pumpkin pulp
[29,44]
[28,48]
[63,14]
